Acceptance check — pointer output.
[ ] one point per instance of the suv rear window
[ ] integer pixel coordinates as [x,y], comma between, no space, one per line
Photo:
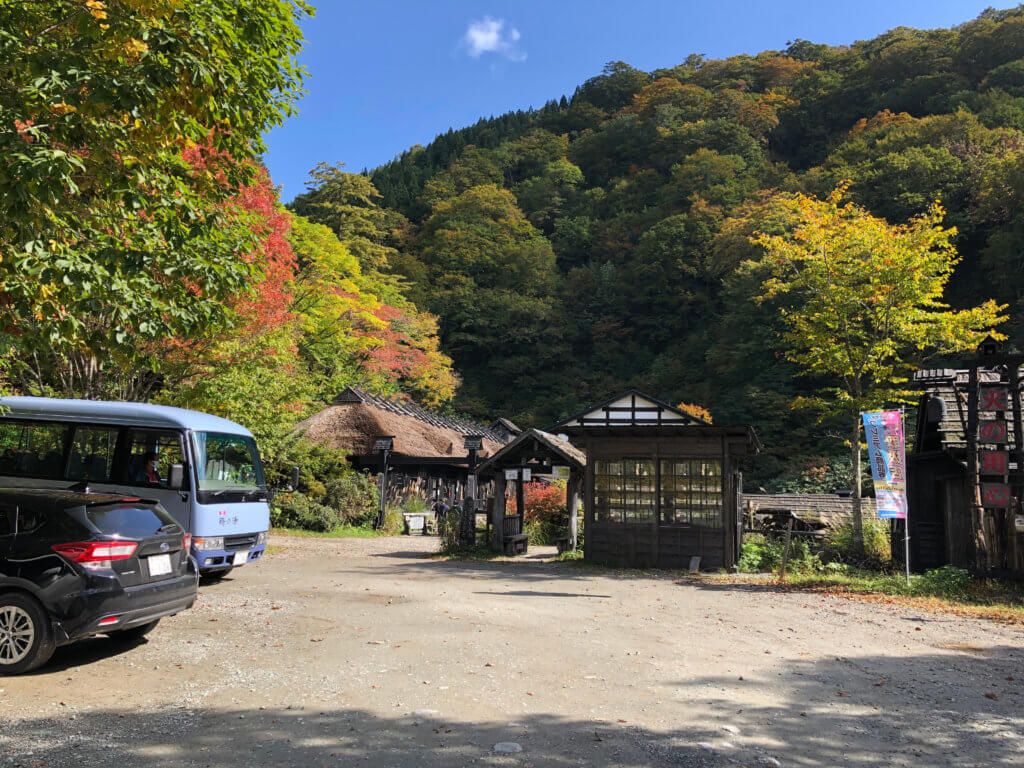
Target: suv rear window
[128,521]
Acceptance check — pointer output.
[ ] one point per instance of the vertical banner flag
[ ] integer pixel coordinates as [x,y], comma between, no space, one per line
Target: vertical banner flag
[887,454]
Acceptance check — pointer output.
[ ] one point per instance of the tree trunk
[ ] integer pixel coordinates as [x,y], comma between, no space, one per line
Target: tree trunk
[858,518]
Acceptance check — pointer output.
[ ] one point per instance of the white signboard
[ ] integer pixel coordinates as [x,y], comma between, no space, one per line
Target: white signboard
[513,474]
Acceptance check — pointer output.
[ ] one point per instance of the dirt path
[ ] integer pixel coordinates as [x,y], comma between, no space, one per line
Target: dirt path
[369,652]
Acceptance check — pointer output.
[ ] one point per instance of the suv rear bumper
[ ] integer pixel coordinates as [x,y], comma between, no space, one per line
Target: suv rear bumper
[132,606]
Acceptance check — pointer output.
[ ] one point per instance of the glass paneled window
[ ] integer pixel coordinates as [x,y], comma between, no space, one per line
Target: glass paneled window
[92,453]
[32,449]
[691,492]
[624,490]
[151,456]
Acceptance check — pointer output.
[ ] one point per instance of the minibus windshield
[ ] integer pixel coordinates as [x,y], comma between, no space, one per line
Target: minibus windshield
[227,462]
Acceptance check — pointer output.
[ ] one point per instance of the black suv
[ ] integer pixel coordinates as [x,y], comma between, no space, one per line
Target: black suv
[75,564]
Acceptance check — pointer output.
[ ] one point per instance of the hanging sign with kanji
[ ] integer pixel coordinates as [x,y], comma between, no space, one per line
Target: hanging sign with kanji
[887,455]
[993,399]
[995,495]
[993,462]
[992,432]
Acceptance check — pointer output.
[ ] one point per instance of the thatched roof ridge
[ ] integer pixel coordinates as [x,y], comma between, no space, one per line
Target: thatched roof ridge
[355,417]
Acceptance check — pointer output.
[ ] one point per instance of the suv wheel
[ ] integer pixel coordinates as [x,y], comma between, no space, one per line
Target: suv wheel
[25,638]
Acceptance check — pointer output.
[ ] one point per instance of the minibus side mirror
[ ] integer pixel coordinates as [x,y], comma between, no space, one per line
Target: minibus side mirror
[176,476]
[295,478]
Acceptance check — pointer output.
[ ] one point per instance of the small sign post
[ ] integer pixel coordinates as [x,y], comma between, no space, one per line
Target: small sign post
[383,444]
[473,444]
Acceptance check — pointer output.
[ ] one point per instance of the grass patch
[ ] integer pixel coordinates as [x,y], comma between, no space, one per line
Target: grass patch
[945,589]
[569,556]
[365,531]
[476,552]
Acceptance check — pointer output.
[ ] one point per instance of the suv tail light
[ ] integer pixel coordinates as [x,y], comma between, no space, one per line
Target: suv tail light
[96,554]
[187,544]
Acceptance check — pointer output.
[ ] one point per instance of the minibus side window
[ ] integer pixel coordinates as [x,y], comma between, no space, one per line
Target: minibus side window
[151,452]
[92,453]
[32,448]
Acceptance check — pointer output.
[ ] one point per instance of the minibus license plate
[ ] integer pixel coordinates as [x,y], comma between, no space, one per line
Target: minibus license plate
[159,565]
[240,558]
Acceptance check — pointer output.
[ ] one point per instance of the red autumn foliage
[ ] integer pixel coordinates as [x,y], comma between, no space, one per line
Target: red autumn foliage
[268,308]
[543,502]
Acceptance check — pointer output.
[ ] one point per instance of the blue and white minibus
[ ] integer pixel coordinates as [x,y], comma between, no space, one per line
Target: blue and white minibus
[203,469]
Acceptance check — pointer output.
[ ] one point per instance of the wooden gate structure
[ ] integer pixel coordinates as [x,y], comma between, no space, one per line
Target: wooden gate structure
[538,453]
[661,486]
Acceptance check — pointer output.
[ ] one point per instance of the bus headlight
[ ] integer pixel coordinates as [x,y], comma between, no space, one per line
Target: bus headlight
[206,543]
[261,538]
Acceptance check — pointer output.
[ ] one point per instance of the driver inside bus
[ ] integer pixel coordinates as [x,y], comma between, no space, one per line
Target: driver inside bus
[148,473]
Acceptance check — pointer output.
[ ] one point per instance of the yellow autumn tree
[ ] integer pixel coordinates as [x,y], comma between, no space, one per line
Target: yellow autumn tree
[863,304]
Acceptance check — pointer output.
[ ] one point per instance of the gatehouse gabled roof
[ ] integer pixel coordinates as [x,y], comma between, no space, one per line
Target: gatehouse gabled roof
[534,441]
[631,409]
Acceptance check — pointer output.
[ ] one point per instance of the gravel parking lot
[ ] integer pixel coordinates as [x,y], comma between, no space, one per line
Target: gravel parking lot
[371,652]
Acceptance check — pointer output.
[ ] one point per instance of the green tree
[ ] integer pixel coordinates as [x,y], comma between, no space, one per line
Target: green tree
[349,204]
[864,304]
[128,125]
[490,277]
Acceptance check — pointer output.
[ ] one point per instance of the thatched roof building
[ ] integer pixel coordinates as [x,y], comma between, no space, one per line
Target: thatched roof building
[354,418]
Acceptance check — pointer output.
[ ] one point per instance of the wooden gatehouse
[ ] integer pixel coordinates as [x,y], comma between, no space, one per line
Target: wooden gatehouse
[660,486]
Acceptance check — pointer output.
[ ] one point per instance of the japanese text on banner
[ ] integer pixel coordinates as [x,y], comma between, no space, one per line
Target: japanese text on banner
[887,455]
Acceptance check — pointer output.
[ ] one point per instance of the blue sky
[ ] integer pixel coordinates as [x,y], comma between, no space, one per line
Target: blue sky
[384,75]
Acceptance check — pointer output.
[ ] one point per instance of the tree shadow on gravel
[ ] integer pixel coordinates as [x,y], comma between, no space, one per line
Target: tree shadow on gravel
[429,565]
[920,710]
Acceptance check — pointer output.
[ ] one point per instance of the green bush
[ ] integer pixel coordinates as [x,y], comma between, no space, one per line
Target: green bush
[317,465]
[414,505]
[394,522]
[949,582]
[451,538]
[353,496]
[296,510]
[877,550]
[763,554]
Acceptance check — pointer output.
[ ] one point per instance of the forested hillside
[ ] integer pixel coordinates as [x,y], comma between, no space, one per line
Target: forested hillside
[594,244]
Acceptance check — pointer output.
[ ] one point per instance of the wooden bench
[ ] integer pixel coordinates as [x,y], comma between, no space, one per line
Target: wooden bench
[516,544]
[563,543]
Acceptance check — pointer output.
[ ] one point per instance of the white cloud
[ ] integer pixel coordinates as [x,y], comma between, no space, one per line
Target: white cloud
[490,35]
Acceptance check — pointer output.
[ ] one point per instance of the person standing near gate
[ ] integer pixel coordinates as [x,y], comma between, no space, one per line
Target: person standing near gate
[440,512]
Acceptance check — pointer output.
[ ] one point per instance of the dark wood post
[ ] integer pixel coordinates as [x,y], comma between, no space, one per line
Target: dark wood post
[977,512]
[786,546]
[521,501]
[382,512]
[498,512]
[383,445]
[469,503]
